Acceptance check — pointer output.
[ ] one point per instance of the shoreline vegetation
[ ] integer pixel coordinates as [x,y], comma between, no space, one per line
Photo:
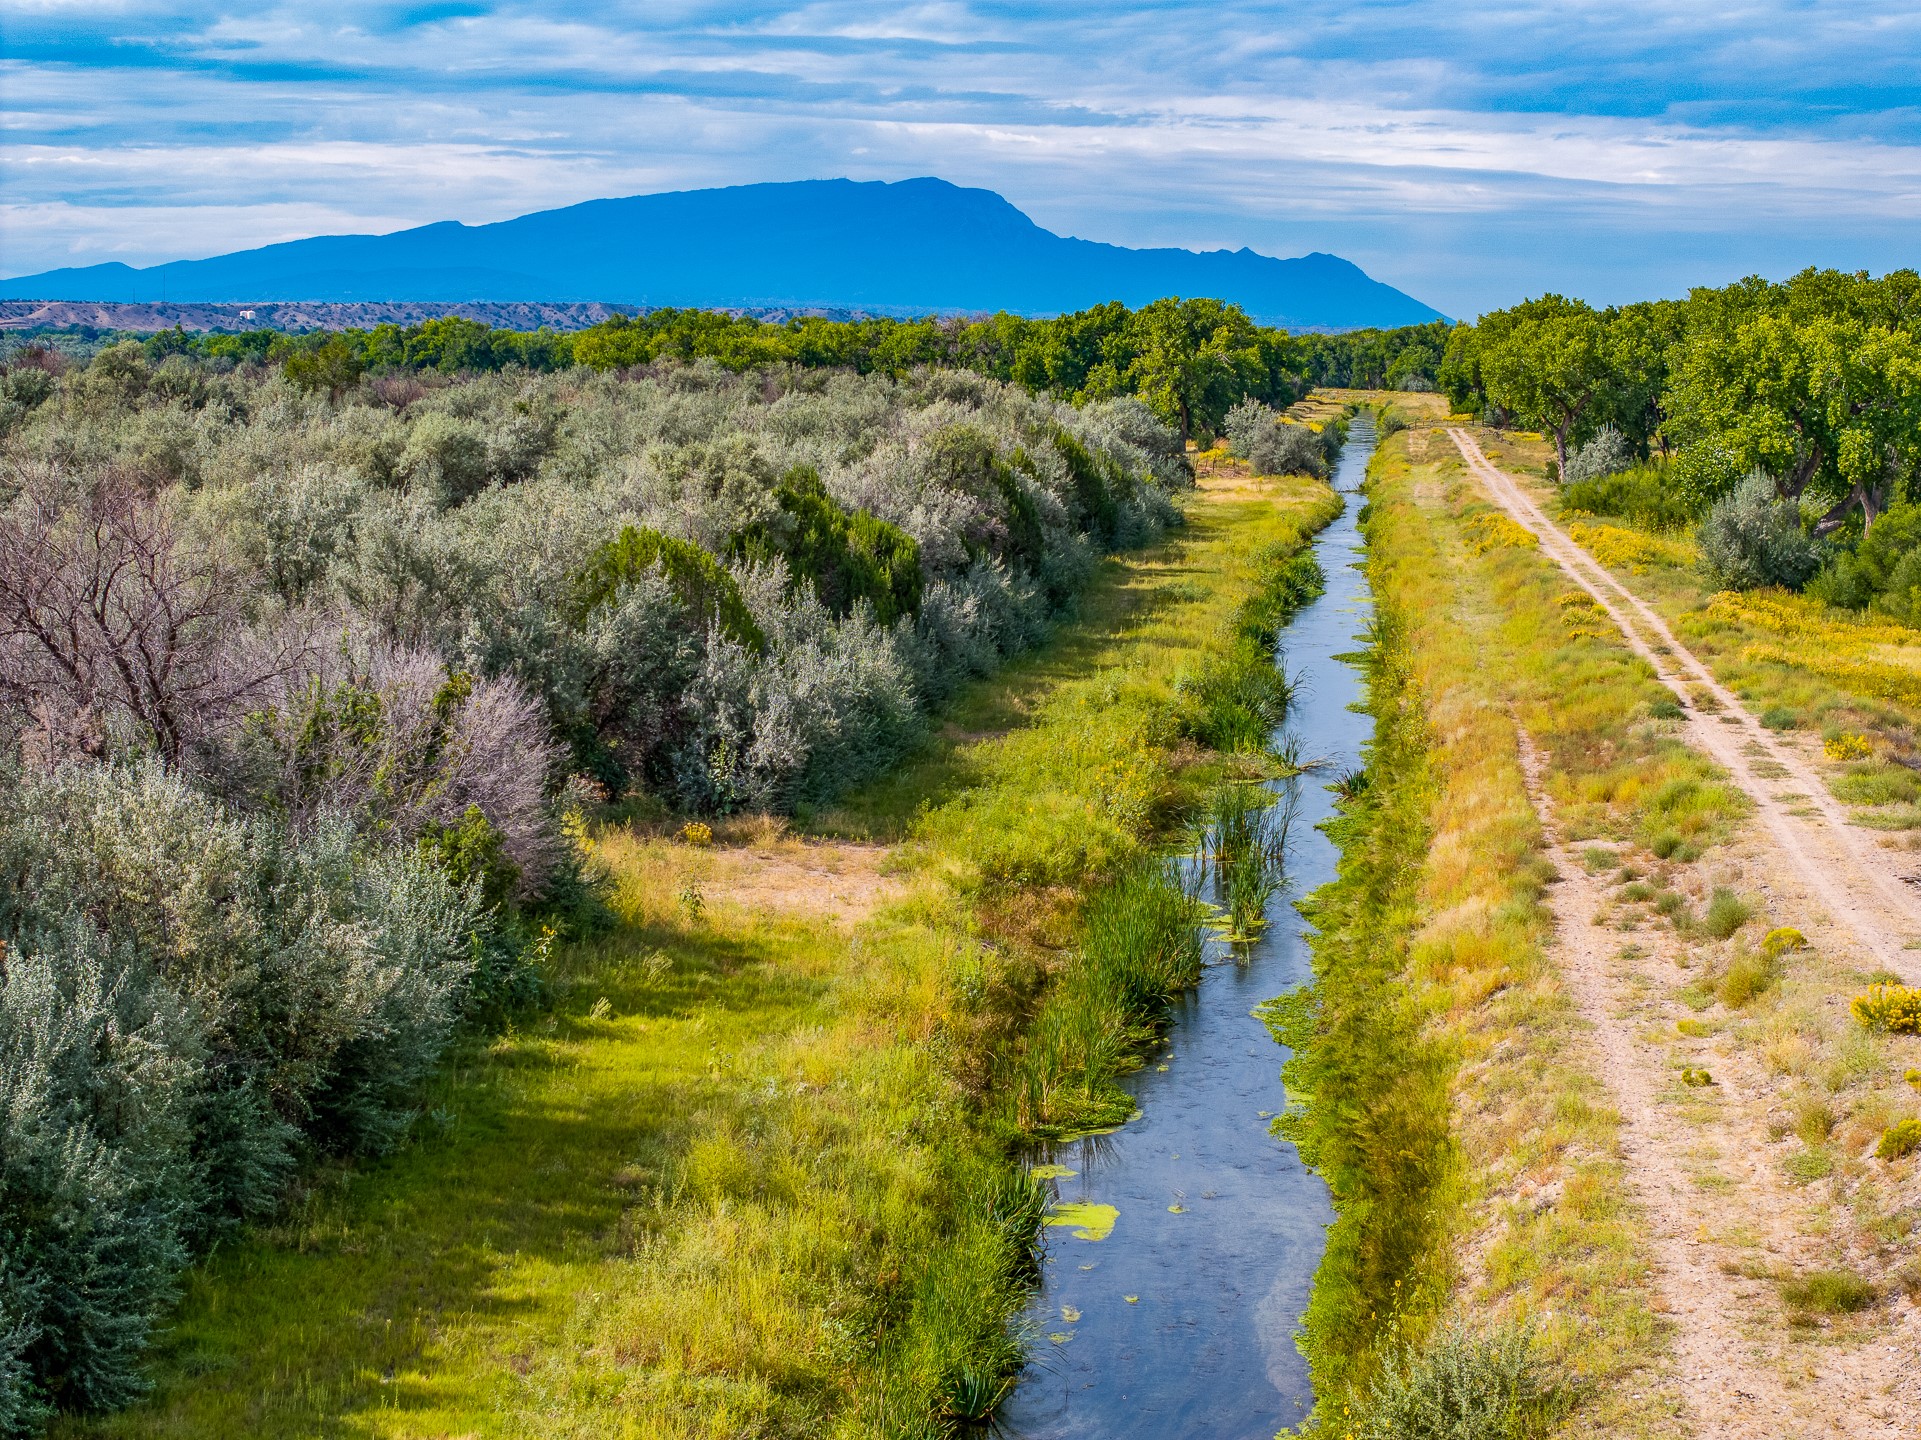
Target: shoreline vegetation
[777,1151]
[1441,1083]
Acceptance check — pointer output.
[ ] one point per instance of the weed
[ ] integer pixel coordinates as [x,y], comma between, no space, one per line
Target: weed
[696,833]
[1813,1163]
[1901,1138]
[1666,844]
[1828,1292]
[1694,1029]
[1726,913]
[1595,859]
[693,901]
[1813,1120]
[1894,1009]
[1638,891]
[1779,717]
[1695,1078]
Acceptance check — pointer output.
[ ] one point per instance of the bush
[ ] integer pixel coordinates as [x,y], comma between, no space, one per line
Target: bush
[1258,435]
[1752,538]
[1883,570]
[1894,1009]
[1608,453]
[1899,1139]
[1460,1385]
[1646,495]
[191,1003]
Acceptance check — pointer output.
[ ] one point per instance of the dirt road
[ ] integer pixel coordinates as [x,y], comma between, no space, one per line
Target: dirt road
[1721,1219]
[1851,876]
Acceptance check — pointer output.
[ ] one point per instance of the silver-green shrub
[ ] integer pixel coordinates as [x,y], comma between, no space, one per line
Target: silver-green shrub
[1608,453]
[1752,538]
[190,1002]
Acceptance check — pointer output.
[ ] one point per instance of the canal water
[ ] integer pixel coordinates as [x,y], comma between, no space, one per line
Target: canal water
[1179,1323]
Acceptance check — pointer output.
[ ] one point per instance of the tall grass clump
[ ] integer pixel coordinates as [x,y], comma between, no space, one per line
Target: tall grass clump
[1240,696]
[1372,1084]
[1140,946]
[1244,852]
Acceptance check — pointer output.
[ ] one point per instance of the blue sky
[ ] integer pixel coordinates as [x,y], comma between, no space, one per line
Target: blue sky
[1469,153]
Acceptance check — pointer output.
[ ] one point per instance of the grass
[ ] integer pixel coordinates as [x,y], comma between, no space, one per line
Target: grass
[1828,1292]
[751,1174]
[1440,1061]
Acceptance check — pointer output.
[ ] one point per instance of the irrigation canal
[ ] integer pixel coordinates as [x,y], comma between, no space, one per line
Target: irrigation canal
[1178,1323]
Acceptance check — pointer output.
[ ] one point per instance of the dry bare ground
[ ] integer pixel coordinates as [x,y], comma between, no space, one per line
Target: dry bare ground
[1723,1223]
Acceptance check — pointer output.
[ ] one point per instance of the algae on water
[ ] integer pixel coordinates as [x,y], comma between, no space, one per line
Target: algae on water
[1092,1222]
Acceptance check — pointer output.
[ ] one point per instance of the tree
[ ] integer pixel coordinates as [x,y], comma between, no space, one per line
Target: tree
[1827,405]
[1546,363]
[1194,359]
[335,365]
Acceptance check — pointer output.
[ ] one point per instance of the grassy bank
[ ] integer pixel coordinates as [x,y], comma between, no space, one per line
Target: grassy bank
[752,1174]
[1444,1083]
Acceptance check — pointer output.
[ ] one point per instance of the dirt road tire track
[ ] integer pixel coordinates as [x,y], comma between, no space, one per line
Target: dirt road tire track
[1834,860]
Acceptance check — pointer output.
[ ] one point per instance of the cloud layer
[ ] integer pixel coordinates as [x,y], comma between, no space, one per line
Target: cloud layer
[1469,154]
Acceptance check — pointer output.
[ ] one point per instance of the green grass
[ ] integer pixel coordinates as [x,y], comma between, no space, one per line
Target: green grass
[751,1175]
[1440,1062]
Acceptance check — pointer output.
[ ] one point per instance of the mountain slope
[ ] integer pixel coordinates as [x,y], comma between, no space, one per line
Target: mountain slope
[914,245]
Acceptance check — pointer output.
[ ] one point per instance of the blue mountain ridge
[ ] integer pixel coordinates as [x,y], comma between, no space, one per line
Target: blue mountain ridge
[909,246]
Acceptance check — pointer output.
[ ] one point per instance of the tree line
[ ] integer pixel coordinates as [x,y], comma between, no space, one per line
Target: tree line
[1813,383]
[1191,360]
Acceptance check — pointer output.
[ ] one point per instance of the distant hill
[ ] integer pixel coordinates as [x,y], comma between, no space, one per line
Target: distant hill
[908,247]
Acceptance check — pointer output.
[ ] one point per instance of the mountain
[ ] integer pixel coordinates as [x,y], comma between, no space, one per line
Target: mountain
[911,246]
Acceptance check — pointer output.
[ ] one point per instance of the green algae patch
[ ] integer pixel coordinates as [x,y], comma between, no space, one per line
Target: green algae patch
[1052,1172]
[1091,1222]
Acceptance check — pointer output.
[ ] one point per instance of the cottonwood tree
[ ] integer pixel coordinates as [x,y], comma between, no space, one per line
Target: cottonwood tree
[1828,406]
[106,618]
[1546,363]
[1195,358]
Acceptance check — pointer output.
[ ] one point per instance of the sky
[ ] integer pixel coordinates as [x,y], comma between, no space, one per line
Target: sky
[1471,154]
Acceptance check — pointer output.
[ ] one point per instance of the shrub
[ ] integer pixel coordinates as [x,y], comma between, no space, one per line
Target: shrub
[191,1002]
[1258,435]
[1608,453]
[1882,569]
[710,594]
[1895,1009]
[849,558]
[1460,1385]
[1899,1139]
[1752,538]
[1646,495]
